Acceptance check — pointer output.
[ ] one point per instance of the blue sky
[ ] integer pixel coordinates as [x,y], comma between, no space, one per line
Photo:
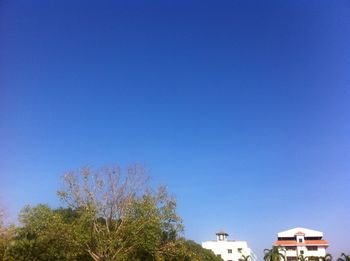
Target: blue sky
[242,108]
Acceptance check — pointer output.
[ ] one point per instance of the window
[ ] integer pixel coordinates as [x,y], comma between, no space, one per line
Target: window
[313,238]
[301,252]
[218,255]
[287,238]
[229,251]
[291,248]
[300,240]
[239,250]
[312,248]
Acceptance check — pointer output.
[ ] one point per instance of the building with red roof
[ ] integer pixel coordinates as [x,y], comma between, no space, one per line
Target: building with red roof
[301,242]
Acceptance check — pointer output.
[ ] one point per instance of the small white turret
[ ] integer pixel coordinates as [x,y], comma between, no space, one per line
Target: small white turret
[221,236]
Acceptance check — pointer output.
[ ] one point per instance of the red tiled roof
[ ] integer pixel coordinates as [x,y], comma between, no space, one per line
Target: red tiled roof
[316,242]
[305,243]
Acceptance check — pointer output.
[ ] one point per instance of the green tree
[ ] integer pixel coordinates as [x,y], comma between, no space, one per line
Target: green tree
[344,257]
[312,258]
[6,234]
[302,258]
[245,258]
[122,217]
[108,216]
[191,251]
[274,254]
[43,235]
[327,257]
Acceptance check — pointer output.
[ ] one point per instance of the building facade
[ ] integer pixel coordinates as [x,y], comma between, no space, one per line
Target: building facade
[301,241]
[229,250]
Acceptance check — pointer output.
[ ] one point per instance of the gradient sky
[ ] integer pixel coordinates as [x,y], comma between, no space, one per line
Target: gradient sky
[242,108]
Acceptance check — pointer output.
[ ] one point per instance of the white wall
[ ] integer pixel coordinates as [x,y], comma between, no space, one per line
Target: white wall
[306,231]
[222,247]
[321,251]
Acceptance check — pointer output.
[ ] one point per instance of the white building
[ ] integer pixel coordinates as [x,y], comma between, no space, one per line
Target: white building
[301,241]
[229,250]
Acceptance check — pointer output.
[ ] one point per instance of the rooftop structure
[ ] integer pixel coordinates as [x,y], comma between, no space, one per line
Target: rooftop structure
[301,241]
[228,250]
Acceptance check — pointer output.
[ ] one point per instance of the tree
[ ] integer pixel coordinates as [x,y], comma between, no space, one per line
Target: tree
[120,216]
[302,258]
[274,254]
[312,258]
[344,257]
[6,234]
[43,235]
[3,235]
[327,257]
[191,251]
[245,258]
[107,216]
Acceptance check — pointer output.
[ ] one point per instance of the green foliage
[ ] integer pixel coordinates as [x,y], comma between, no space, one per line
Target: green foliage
[302,258]
[3,233]
[43,236]
[120,216]
[274,254]
[312,258]
[245,258]
[5,236]
[327,257]
[108,216]
[344,257]
[191,251]
[152,227]
[150,233]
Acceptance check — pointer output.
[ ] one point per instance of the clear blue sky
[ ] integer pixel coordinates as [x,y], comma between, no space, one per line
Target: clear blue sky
[241,107]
